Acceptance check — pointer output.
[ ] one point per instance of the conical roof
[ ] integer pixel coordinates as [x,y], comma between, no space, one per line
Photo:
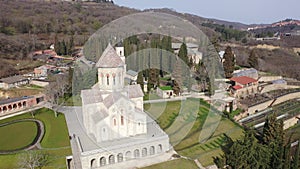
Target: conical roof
[110,58]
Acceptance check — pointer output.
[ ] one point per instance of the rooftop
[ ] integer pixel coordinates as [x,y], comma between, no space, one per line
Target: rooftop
[132,73]
[13,79]
[237,87]
[14,99]
[243,80]
[110,58]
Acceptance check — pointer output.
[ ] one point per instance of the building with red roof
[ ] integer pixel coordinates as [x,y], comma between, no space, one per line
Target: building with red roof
[243,86]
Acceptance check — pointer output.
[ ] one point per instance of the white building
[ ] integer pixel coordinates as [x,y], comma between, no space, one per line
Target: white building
[192,49]
[120,134]
[165,92]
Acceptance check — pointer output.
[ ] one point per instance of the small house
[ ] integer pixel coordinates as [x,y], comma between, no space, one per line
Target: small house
[165,92]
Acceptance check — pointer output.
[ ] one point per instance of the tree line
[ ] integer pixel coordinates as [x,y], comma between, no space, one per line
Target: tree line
[267,150]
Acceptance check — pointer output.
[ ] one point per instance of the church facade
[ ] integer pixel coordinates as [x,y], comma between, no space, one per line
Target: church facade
[118,131]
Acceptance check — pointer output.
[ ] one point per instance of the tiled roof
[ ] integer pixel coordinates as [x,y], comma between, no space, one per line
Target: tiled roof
[91,96]
[111,99]
[243,80]
[99,115]
[13,79]
[237,87]
[110,58]
[15,100]
[134,91]
[132,73]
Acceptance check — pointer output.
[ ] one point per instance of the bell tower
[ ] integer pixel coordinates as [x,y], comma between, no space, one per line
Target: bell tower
[111,70]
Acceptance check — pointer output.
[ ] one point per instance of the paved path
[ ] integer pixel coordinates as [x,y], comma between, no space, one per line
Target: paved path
[37,140]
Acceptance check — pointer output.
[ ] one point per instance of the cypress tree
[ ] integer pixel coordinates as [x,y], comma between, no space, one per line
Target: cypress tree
[253,59]
[177,75]
[296,159]
[229,62]
[183,53]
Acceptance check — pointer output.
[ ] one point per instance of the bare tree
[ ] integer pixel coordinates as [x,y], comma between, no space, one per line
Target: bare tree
[33,159]
[55,92]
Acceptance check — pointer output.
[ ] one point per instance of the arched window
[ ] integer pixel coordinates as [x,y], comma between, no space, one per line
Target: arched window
[128,155]
[102,161]
[115,122]
[93,163]
[136,153]
[152,150]
[102,79]
[122,120]
[144,152]
[114,79]
[111,159]
[120,157]
[107,79]
[159,150]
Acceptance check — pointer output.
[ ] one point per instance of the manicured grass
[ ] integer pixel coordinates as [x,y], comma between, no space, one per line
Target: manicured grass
[9,161]
[190,146]
[164,112]
[17,135]
[56,134]
[174,164]
[207,158]
[55,141]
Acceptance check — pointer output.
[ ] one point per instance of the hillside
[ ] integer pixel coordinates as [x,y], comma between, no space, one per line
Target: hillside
[29,25]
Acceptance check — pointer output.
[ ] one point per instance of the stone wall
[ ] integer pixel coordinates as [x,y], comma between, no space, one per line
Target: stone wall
[291,122]
[122,155]
[272,87]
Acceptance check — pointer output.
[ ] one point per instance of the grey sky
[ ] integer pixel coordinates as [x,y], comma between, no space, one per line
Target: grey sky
[250,11]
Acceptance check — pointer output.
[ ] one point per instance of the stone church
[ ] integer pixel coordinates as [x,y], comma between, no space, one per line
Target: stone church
[117,131]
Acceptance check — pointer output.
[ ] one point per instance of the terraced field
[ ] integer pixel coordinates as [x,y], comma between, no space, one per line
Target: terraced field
[190,145]
[284,110]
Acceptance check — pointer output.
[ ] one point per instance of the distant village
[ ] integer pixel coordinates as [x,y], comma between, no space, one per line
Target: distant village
[254,93]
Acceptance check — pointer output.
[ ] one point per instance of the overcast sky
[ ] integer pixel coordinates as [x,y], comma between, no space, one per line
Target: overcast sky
[245,11]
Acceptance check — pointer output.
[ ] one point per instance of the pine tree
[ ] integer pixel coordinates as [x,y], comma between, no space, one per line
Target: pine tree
[287,157]
[273,137]
[296,159]
[140,80]
[253,59]
[70,46]
[177,75]
[183,53]
[247,153]
[229,62]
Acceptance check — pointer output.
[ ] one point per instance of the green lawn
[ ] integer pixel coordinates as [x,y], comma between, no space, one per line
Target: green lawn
[20,135]
[174,164]
[167,114]
[55,141]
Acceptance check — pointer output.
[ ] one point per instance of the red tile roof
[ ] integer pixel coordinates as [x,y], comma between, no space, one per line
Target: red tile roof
[237,87]
[243,80]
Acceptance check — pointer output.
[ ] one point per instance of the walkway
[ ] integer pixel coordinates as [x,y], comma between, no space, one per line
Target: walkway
[37,139]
